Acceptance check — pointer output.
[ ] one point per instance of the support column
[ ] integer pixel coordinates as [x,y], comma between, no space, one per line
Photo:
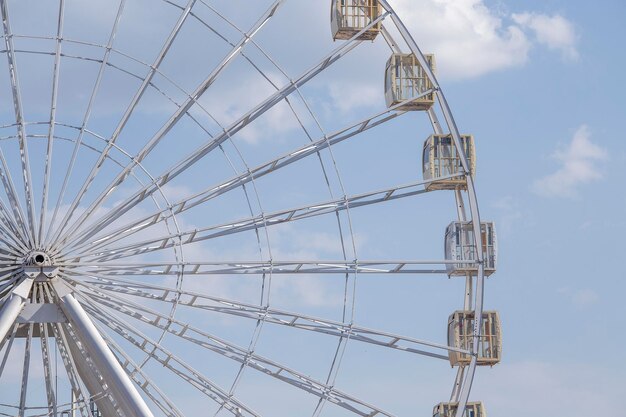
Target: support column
[13,306]
[90,380]
[129,398]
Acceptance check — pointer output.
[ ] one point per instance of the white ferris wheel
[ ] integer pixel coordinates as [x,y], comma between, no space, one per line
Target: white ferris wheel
[190,226]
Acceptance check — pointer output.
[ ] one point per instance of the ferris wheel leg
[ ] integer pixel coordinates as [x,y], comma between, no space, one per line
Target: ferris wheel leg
[90,380]
[129,398]
[13,306]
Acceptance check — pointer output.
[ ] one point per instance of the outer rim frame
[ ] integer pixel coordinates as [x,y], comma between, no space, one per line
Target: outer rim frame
[471,194]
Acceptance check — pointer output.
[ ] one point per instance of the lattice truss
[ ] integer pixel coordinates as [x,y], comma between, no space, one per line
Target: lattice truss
[209,208]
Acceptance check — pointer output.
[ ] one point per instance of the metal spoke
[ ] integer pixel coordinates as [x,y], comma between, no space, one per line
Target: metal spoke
[182,165]
[169,360]
[255,267]
[25,370]
[47,366]
[261,364]
[268,167]
[262,220]
[14,202]
[19,118]
[53,110]
[86,117]
[10,223]
[11,339]
[274,316]
[70,369]
[142,380]
[127,114]
[175,118]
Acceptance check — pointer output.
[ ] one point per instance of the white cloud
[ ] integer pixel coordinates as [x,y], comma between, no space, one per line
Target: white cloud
[510,214]
[581,298]
[348,96]
[556,32]
[579,164]
[471,39]
[468,38]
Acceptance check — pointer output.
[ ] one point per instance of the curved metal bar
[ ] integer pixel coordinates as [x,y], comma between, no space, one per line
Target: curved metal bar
[473,201]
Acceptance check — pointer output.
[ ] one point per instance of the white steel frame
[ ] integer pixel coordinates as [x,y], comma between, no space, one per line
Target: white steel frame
[92,282]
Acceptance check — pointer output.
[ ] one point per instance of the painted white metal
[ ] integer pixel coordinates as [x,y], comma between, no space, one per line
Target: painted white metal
[471,193]
[86,254]
[130,399]
[13,306]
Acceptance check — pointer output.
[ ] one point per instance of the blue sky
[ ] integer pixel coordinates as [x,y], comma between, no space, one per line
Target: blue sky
[538,85]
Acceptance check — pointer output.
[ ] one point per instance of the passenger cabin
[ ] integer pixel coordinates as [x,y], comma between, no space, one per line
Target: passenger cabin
[461,335]
[406,79]
[460,245]
[442,159]
[349,17]
[475,409]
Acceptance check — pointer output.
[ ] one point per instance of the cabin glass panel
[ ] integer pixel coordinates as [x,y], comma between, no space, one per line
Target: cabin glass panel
[473,409]
[461,335]
[442,159]
[461,246]
[349,17]
[405,79]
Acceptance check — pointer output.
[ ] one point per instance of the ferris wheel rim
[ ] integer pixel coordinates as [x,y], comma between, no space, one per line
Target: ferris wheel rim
[272,264]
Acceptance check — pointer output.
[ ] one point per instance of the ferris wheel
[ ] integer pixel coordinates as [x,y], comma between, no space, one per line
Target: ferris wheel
[192,222]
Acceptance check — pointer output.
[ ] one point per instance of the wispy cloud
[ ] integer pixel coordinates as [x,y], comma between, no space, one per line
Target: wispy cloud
[581,298]
[579,165]
[555,32]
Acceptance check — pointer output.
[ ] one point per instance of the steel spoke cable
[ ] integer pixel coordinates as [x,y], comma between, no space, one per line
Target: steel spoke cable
[251,311]
[19,117]
[182,165]
[174,119]
[124,120]
[149,346]
[86,117]
[242,225]
[7,351]
[186,203]
[273,369]
[14,202]
[146,383]
[53,109]
[69,364]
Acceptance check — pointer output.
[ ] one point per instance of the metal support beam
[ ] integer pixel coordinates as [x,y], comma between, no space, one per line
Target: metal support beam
[129,398]
[13,306]
[89,378]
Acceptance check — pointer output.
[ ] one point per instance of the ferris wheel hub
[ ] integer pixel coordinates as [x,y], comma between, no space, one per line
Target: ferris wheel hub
[39,265]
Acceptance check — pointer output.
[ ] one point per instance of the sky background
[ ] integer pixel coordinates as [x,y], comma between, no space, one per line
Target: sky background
[538,85]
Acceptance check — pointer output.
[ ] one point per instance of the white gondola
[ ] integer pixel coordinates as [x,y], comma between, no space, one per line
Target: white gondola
[441,159]
[349,17]
[461,335]
[406,79]
[474,409]
[461,246]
